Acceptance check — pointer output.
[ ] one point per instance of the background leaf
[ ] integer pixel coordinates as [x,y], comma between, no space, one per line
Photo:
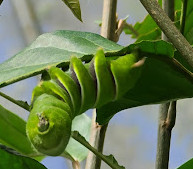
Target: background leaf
[148,29]
[13,133]
[188,29]
[77,151]
[187,165]
[144,28]
[12,160]
[74,6]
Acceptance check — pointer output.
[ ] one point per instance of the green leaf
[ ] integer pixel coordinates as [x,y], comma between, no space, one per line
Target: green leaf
[151,35]
[109,160]
[13,133]
[146,26]
[153,48]
[161,75]
[11,159]
[187,165]
[52,49]
[148,29]
[188,29]
[82,124]
[74,6]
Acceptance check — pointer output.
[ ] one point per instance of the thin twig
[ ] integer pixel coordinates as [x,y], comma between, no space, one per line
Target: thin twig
[120,27]
[17,102]
[169,29]
[75,135]
[76,165]
[97,141]
[167,112]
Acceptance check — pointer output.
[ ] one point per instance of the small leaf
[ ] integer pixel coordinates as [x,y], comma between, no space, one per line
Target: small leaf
[187,165]
[74,6]
[82,124]
[109,160]
[11,159]
[140,29]
[13,133]
[114,161]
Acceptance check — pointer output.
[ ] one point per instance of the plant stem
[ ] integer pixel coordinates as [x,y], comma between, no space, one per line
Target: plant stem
[17,102]
[166,123]
[75,165]
[97,141]
[27,19]
[109,19]
[166,117]
[98,131]
[169,29]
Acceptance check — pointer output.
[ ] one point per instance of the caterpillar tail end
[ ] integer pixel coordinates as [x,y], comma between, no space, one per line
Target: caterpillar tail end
[49,130]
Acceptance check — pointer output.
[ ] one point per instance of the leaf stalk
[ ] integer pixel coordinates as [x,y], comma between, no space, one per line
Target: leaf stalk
[22,104]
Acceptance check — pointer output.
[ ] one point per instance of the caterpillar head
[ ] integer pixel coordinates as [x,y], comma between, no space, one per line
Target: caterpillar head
[48,128]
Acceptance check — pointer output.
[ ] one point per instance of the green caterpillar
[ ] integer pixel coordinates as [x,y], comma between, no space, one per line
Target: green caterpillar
[57,101]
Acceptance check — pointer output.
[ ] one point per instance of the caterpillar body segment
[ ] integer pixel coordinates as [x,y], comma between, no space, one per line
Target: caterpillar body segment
[124,77]
[66,82]
[57,101]
[105,82]
[49,126]
[86,83]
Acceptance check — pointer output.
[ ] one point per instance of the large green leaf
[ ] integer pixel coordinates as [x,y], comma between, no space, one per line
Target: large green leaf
[74,6]
[12,160]
[187,165]
[52,49]
[13,133]
[82,124]
[162,79]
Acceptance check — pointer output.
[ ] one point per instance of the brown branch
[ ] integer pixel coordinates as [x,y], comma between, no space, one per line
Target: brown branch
[167,112]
